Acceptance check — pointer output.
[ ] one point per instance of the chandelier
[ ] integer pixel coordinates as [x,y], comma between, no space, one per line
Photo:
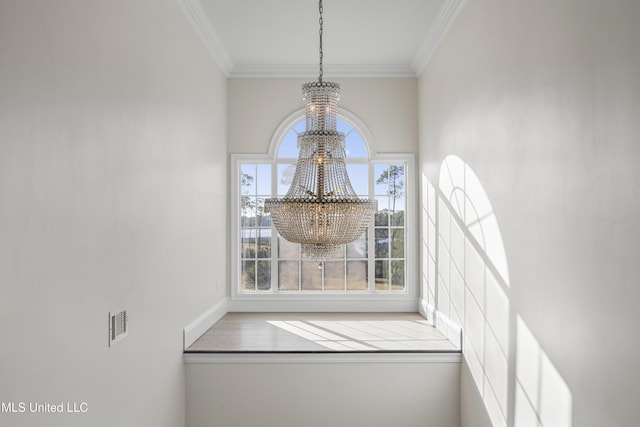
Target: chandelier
[321,211]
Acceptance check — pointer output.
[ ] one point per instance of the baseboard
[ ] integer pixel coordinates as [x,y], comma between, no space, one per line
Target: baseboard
[449,328]
[199,326]
[442,322]
[426,310]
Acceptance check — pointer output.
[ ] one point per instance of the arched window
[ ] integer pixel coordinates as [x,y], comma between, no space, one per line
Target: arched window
[267,266]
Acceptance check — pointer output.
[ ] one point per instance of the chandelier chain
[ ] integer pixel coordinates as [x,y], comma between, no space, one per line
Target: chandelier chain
[321,53]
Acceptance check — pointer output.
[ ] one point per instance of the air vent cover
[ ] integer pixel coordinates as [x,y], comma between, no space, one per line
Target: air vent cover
[118,326]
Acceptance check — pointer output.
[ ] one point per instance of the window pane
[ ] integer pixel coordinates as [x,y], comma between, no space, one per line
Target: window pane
[357,276]
[334,276]
[264,243]
[300,125]
[380,173]
[382,243]
[354,145]
[289,145]
[358,249]
[382,215]
[287,249]
[397,210]
[395,179]
[248,179]
[247,211]
[389,179]
[263,219]
[248,275]
[288,276]
[382,275]
[342,125]
[263,278]
[397,243]
[263,180]
[285,177]
[359,177]
[397,275]
[311,276]
[248,247]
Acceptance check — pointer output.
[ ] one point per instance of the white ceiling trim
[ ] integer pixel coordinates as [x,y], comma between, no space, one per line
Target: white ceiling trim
[330,71]
[197,16]
[448,12]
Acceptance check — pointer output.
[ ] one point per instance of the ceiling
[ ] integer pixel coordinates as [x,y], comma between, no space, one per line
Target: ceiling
[362,38]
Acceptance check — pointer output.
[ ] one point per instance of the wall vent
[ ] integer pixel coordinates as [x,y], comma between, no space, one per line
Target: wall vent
[118,326]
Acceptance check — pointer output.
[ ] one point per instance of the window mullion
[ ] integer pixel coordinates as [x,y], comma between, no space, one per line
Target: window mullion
[275,272]
[371,248]
[344,268]
[299,270]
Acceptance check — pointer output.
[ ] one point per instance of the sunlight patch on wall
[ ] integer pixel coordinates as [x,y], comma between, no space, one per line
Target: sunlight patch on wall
[473,282]
[460,186]
[542,398]
[465,284]
[428,242]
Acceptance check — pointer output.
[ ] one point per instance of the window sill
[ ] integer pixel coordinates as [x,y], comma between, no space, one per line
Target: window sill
[325,302]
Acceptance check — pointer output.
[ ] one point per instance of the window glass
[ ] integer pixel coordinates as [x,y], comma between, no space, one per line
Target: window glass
[334,277]
[289,145]
[354,146]
[358,176]
[288,275]
[357,275]
[374,262]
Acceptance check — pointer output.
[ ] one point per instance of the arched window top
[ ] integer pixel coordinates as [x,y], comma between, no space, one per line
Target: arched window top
[284,144]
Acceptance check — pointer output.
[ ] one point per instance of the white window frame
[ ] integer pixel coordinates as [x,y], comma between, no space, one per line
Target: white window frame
[380,301]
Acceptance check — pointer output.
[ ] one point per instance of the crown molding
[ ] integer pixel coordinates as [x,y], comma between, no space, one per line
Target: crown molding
[199,20]
[330,71]
[448,12]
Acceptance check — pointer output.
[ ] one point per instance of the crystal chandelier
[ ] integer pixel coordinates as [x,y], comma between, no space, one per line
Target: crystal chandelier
[321,211]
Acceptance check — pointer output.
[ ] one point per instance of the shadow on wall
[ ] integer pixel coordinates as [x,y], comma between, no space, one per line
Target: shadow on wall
[466,291]
[542,398]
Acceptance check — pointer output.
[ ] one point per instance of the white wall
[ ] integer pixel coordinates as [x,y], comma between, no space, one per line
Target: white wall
[388,107]
[112,172]
[323,394]
[542,100]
